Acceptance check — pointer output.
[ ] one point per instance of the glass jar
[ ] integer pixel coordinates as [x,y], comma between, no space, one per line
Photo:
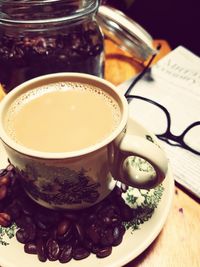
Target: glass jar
[42,37]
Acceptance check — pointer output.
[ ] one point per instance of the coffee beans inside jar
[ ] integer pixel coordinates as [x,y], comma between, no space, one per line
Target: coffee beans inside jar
[48,37]
[62,235]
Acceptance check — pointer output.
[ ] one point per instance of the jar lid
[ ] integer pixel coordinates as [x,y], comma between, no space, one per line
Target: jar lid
[125,32]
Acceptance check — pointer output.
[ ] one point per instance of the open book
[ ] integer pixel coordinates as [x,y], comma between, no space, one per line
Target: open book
[173,82]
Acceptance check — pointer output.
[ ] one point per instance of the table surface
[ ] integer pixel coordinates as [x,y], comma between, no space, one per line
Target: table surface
[178,244]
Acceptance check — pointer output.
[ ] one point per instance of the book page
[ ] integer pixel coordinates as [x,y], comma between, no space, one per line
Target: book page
[173,82]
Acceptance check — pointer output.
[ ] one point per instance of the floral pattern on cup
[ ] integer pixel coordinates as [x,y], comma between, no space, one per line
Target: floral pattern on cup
[143,202]
[57,190]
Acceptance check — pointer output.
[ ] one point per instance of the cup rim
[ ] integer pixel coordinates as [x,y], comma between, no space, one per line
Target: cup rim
[12,95]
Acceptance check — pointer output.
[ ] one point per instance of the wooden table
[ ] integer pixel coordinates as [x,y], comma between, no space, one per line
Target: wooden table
[178,244]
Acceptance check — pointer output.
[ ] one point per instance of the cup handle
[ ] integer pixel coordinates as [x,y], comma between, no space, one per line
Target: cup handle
[149,167]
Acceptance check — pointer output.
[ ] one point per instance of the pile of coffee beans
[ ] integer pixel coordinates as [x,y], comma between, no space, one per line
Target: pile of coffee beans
[62,234]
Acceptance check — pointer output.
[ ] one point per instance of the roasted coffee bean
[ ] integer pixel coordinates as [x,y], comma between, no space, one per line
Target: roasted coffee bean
[107,220]
[44,234]
[41,221]
[27,211]
[41,250]
[40,45]
[122,229]
[110,211]
[63,227]
[80,253]
[22,236]
[73,241]
[53,233]
[72,216]
[69,234]
[126,212]
[93,233]
[116,232]
[117,235]
[32,231]
[118,241]
[14,210]
[52,217]
[5,219]
[116,220]
[3,192]
[98,207]
[66,254]
[30,248]
[1,206]
[27,234]
[52,249]
[80,231]
[87,244]
[91,218]
[23,221]
[95,249]
[41,225]
[107,237]
[104,252]
[45,219]
[4,180]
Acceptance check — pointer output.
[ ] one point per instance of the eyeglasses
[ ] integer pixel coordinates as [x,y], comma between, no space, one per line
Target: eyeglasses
[153,109]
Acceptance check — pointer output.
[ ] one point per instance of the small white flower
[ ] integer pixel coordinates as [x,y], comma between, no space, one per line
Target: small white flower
[140,200]
[151,192]
[136,193]
[144,191]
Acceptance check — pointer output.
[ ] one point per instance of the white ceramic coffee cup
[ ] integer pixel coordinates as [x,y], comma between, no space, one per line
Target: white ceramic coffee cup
[79,179]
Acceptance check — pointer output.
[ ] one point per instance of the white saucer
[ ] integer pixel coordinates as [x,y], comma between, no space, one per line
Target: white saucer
[134,242]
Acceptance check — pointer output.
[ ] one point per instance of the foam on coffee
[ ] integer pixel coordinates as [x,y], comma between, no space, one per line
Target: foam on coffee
[55,118]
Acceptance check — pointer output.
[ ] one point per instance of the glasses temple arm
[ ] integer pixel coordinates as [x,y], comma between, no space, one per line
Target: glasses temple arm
[139,77]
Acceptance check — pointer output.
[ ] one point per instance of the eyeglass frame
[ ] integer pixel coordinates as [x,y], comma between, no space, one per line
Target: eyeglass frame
[167,136]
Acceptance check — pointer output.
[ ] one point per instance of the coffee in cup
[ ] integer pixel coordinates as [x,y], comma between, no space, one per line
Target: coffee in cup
[62,117]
